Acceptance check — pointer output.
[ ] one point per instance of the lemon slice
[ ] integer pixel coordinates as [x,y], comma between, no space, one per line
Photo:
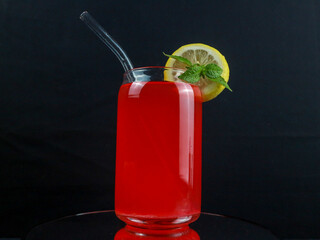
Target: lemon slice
[202,54]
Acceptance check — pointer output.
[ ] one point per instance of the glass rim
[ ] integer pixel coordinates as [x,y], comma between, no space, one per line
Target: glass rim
[150,67]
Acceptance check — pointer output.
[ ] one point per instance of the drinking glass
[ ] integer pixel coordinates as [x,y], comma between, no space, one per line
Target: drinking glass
[158,157]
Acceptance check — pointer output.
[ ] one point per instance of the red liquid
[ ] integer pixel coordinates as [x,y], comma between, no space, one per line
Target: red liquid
[158,165]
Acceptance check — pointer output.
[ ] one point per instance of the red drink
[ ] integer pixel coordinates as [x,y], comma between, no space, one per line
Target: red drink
[158,165]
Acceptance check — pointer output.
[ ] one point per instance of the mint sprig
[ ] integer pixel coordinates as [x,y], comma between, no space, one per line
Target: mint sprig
[194,72]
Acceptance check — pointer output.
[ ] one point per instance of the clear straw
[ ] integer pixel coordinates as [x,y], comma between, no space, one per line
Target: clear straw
[107,40]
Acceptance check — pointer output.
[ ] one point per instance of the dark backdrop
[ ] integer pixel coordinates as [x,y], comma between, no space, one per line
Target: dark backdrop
[58,97]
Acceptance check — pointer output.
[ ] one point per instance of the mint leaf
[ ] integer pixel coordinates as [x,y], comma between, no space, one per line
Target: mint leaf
[221,81]
[192,74]
[180,59]
[213,70]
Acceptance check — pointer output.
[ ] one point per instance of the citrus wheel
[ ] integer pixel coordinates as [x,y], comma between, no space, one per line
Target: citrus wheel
[201,54]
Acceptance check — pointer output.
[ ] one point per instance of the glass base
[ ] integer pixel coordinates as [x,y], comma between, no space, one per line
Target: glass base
[158,223]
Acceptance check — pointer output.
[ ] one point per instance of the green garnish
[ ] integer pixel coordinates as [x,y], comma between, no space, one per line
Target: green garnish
[194,72]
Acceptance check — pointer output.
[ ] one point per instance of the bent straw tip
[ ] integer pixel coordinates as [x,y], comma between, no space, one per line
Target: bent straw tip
[82,15]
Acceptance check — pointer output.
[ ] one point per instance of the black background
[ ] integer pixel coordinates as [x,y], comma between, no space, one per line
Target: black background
[58,96]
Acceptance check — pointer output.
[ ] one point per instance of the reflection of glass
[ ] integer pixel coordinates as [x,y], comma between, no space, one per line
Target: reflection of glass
[158,165]
[130,234]
[104,224]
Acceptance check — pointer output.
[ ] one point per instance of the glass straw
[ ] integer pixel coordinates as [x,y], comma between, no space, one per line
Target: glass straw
[107,40]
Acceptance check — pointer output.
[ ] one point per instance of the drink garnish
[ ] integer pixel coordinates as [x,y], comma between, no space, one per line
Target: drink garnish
[195,71]
[205,67]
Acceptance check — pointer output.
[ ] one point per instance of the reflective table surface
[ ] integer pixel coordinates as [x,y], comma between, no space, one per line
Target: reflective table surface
[105,225]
